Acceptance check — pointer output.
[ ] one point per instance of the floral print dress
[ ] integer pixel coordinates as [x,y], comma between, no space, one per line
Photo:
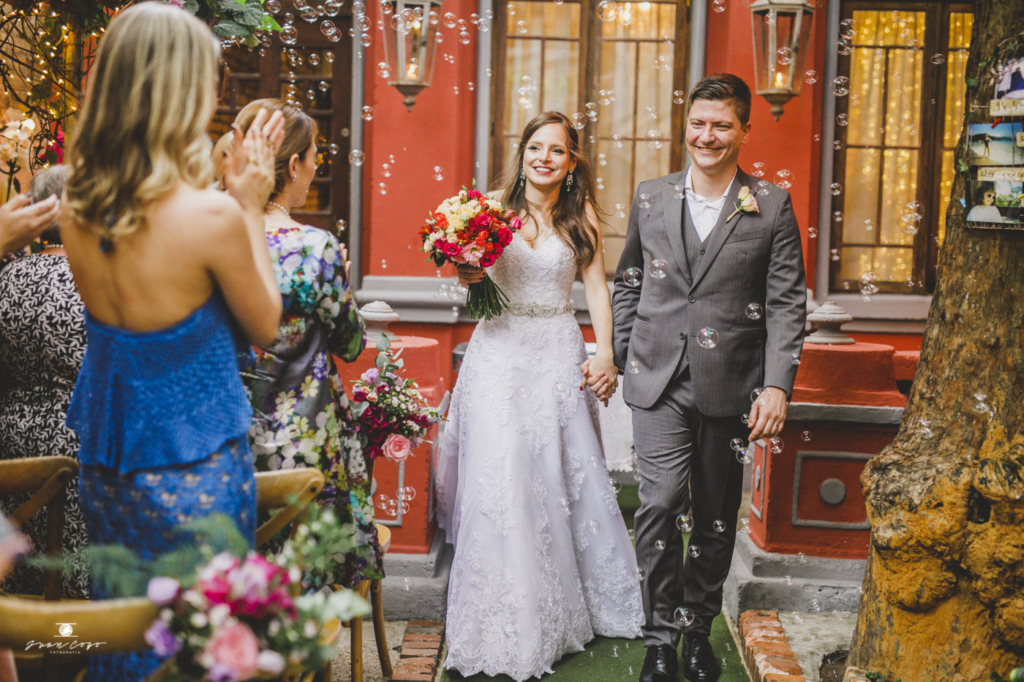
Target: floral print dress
[302,416]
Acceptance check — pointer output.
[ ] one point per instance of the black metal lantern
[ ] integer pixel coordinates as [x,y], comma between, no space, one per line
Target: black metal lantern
[411,46]
[782,32]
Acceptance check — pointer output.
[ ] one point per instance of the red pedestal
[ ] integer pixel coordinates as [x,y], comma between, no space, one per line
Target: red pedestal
[807,499]
[422,363]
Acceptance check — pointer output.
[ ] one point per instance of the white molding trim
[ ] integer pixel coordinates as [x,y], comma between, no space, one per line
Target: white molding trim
[892,307]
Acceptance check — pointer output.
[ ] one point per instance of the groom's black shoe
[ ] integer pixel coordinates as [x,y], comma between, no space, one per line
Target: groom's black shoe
[661,664]
[699,662]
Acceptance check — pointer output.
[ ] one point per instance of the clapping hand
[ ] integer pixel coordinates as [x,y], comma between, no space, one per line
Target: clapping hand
[249,166]
[602,376]
[21,223]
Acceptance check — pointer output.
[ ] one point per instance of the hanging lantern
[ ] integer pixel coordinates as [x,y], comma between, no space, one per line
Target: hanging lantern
[411,45]
[782,32]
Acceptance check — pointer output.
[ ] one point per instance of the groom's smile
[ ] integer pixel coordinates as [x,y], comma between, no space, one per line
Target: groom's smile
[714,135]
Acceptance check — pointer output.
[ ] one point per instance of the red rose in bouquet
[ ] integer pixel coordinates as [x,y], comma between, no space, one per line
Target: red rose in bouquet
[471,229]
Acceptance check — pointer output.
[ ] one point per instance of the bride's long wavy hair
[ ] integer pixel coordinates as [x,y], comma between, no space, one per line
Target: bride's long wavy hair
[143,127]
[569,215]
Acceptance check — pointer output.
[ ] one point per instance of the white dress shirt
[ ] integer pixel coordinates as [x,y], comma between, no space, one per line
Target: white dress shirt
[703,212]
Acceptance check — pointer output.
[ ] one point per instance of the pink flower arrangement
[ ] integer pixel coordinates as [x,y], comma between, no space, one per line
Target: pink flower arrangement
[393,416]
[241,620]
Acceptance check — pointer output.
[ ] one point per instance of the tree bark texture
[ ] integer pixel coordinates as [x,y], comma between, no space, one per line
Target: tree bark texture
[944,590]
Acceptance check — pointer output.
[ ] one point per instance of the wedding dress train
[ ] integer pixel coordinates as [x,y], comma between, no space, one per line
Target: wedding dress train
[543,560]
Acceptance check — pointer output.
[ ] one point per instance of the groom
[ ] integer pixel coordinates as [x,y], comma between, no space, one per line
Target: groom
[721,316]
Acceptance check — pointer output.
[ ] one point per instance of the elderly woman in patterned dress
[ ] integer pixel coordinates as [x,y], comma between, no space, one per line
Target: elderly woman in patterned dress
[301,413]
[42,339]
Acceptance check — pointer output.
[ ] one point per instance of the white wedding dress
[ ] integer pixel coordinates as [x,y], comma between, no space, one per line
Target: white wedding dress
[543,560]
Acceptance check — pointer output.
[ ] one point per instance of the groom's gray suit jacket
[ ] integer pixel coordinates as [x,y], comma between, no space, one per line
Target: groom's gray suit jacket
[748,258]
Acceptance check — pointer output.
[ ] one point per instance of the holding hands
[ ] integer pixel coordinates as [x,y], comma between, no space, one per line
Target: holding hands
[602,376]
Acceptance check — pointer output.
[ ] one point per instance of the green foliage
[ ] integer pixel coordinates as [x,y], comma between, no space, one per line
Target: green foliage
[324,544]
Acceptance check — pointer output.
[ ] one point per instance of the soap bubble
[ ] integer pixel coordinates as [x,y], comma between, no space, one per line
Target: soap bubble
[925,427]
[602,159]
[593,527]
[382,188]
[678,192]
[784,56]
[289,35]
[979,404]
[757,169]
[385,7]
[738,444]
[616,486]
[523,392]
[640,573]
[743,525]
[840,86]
[684,522]
[511,9]
[684,616]
[743,457]
[606,10]
[273,6]
[812,232]
[805,436]
[755,394]
[620,210]
[564,507]
[846,28]
[579,121]
[342,226]
[754,311]
[438,173]
[522,27]
[844,47]
[654,138]
[605,97]
[909,223]
[659,545]
[815,605]
[718,6]
[329,56]
[718,526]
[784,178]
[707,338]
[617,141]
[658,269]
[836,189]
[633,366]
[837,217]
[645,201]
[663,63]
[811,77]
[938,58]
[651,112]
[383,70]
[843,119]
[355,157]
[367,113]
[694,551]
[776,445]
[632,277]
[868,225]
[561,391]
[385,170]
[526,97]
[678,97]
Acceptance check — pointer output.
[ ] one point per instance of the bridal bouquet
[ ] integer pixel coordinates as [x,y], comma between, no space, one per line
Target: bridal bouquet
[241,621]
[471,229]
[393,416]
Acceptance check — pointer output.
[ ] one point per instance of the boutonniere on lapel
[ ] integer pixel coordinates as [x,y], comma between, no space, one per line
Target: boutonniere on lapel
[748,204]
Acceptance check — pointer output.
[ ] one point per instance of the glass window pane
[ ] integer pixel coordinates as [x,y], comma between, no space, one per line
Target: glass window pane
[867,74]
[561,77]
[899,178]
[903,110]
[961,25]
[860,204]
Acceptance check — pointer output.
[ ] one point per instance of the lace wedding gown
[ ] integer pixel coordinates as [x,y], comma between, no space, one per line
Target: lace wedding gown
[543,561]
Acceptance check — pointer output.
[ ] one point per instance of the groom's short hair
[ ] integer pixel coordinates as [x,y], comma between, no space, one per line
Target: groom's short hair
[724,87]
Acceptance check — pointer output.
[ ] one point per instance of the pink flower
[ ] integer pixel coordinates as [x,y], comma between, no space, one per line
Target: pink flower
[515,223]
[449,249]
[235,648]
[397,448]
[162,590]
[472,253]
[474,194]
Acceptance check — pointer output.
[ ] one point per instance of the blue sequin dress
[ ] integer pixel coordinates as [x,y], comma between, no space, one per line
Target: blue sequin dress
[162,417]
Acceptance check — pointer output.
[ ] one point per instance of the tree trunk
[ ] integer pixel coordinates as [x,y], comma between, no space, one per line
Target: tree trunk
[944,590]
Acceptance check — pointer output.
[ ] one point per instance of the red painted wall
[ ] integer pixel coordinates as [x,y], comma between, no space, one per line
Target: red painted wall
[437,132]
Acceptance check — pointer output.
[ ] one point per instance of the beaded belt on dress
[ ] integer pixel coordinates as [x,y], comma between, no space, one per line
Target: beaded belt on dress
[537,309]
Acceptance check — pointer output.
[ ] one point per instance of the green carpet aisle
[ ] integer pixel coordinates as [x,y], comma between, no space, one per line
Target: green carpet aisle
[620,660]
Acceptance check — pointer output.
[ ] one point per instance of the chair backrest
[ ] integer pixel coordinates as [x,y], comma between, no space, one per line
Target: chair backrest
[46,479]
[291,491]
[119,623]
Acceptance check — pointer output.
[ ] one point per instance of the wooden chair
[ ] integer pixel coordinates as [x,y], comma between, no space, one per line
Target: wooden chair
[371,590]
[291,491]
[46,479]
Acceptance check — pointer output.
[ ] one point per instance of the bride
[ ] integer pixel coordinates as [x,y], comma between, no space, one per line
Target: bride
[543,561]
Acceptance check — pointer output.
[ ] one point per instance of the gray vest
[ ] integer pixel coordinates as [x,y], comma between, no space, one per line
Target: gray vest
[692,243]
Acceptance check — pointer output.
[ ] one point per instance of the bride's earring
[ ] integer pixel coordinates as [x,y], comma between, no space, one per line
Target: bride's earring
[522,176]
[568,182]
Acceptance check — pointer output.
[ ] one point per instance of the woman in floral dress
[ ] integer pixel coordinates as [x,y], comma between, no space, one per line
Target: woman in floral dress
[301,415]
